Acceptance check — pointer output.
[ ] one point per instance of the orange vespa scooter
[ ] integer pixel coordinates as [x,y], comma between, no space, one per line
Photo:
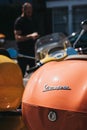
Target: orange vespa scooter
[55,97]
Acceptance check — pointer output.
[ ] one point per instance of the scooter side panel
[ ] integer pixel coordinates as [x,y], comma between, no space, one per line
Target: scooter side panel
[60,85]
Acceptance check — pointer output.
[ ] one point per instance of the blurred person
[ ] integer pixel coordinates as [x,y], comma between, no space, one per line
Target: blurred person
[25,32]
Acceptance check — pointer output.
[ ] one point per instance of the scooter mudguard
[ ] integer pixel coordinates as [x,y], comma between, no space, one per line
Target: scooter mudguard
[11,91]
[55,96]
[11,84]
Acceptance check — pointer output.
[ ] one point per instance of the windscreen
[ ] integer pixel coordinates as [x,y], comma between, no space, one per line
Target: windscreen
[45,44]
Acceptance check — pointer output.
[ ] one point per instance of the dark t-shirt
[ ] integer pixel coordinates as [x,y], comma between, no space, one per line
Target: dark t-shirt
[27,26]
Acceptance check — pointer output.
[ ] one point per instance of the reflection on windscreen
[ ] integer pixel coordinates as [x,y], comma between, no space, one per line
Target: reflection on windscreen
[46,43]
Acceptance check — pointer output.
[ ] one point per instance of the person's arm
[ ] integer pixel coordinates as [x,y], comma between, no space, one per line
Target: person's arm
[20,37]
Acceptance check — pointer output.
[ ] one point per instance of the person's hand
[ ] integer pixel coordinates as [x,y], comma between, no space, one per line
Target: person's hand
[34,35]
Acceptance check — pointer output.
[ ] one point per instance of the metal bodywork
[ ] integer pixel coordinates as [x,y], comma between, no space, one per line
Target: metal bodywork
[11,91]
[11,84]
[60,87]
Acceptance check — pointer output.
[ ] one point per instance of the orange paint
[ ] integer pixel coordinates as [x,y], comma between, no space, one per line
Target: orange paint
[60,87]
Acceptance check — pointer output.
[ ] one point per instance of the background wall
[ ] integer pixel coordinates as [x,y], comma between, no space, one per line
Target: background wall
[8,14]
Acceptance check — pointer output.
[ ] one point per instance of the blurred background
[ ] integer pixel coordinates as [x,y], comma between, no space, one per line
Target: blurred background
[51,15]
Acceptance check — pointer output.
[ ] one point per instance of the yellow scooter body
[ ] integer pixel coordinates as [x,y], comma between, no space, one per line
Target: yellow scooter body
[11,91]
